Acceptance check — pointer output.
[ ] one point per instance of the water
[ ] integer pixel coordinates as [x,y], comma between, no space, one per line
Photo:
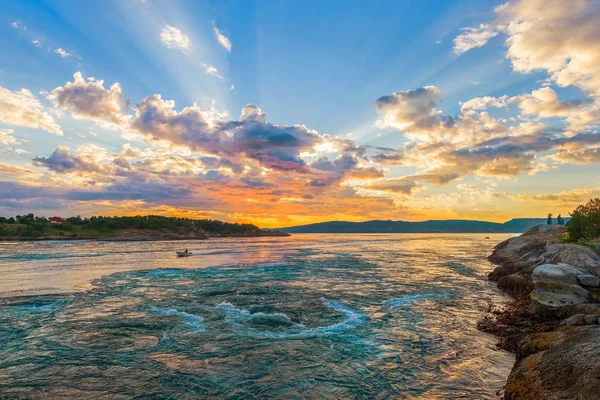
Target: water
[307,316]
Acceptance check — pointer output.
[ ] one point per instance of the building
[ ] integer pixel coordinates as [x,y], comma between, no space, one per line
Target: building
[57,220]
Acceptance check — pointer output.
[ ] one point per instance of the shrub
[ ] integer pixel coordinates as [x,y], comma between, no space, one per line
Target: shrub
[585,221]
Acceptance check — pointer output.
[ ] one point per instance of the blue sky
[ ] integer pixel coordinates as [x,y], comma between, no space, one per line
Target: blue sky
[315,63]
[323,65]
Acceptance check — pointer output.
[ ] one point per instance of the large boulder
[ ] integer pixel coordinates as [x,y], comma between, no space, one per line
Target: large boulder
[572,254]
[516,254]
[556,273]
[556,285]
[564,364]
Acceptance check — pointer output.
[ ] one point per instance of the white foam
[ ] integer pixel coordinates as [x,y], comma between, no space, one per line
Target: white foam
[195,322]
[406,300]
[234,316]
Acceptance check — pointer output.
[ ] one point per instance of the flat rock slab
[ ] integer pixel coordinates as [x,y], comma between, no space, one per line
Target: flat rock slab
[556,273]
[568,295]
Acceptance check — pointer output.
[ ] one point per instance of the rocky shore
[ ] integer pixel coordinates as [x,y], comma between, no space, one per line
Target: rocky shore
[553,325]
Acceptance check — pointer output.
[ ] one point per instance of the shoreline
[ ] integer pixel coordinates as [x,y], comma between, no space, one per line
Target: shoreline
[552,325]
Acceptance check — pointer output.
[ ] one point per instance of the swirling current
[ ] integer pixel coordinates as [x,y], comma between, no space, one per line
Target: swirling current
[309,316]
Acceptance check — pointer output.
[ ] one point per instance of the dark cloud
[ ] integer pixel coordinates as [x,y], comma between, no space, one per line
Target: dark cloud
[398,185]
[61,160]
[132,190]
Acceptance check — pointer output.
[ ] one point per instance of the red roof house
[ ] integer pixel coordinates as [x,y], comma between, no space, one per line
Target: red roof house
[57,220]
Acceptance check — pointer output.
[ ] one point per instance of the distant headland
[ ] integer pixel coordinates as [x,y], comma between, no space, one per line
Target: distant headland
[517,225]
[138,228]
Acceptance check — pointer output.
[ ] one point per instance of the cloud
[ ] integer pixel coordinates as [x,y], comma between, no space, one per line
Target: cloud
[574,196]
[464,186]
[413,111]
[482,103]
[223,40]
[472,38]
[173,38]
[252,112]
[6,137]
[61,160]
[36,43]
[22,108]
[88,99]
[274,146]
[405,186]
[211,70]
[132,190]
[544,103]
[556,36]
[62,53]
[389,157]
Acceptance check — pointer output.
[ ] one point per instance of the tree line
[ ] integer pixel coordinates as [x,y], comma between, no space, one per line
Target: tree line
[35,225]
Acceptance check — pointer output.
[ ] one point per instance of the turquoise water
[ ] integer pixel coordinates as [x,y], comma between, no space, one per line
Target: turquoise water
[311,316]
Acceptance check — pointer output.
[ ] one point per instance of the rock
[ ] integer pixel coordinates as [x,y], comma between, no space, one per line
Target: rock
[595,271]
[556,273]
[552,230]
[584,308]
[517,285]
[591,319]
[539,245]
[560,295]
[567,367]
[514,254]
[557,285]
[575,320]
[572,254]
[536,342]
[588,280]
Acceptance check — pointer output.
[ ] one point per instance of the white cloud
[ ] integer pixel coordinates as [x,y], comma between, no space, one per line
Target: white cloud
[211,70]
[473,37]
[36,43]
[6,137]
[88,99]
[14,24]
[22,108]
[63,53]
[231,87]
[223,40]
[173,38]
[556,36]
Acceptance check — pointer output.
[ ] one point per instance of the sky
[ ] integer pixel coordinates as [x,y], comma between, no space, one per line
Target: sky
[283,113]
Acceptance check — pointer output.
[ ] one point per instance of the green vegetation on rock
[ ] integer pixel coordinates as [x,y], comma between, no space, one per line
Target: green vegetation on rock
[585,222]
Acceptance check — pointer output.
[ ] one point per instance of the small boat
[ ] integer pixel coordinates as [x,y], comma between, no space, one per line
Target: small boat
[183,253]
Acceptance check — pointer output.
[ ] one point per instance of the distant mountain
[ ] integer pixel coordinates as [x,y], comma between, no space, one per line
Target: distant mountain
[517,225]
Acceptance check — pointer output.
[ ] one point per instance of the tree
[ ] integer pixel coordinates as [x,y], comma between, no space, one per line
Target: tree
[550,219]
[585,221]
[560,220]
